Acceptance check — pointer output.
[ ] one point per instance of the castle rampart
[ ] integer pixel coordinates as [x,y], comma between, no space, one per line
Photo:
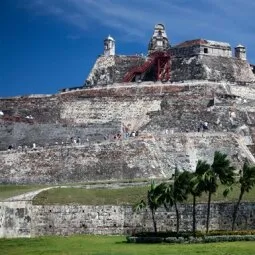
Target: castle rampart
[22,219]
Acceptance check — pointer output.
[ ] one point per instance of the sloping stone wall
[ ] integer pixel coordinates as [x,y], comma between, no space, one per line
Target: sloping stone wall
[111,69]
[96,115]
[43,109]
[26,220]
[213,68]
[89,113]
[102,110]
[136,157]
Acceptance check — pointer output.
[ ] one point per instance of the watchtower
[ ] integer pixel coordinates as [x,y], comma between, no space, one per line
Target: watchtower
[109,46]
[240,52]
[159,40]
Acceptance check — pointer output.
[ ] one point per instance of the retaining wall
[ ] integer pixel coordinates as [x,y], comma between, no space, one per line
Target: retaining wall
[20,219]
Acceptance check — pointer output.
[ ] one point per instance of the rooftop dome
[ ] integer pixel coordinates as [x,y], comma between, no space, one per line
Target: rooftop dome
[109,38]
[240,46]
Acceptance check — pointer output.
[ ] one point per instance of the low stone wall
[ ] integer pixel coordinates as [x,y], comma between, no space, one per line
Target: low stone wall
[20,219]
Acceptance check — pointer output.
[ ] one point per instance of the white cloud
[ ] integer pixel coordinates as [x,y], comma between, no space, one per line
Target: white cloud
[228,20]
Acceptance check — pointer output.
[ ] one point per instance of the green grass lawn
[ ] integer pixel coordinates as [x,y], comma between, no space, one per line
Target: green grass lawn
[116,245]
[119,196]
[10,190]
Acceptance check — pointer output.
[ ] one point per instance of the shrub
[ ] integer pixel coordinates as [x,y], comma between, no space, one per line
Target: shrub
[163,234]
[133,239]
[171,240]
[191,239]
[229,238]
[230,232]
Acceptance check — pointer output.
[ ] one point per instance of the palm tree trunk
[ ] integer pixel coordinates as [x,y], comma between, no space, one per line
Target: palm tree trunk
[177,219]
[194,216]
[236,209]
[154,221]
[208,212]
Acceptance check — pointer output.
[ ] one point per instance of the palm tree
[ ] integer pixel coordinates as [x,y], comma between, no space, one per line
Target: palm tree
[175,193]
[220,170]
[154,201]
[247,181]
[197,187]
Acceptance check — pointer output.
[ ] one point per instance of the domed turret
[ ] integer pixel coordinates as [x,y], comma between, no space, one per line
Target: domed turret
[109,46]
[240,52]
[159,40]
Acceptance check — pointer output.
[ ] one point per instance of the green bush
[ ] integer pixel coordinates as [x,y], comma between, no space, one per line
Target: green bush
[163,234]
[228,238]
[171,240]
[133,239]
[191,239]
[230,232]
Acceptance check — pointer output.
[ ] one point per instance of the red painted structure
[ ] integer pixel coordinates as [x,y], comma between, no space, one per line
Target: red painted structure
[160,60]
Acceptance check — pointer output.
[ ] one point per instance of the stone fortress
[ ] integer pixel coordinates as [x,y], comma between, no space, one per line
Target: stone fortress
[135,117]
[195,59]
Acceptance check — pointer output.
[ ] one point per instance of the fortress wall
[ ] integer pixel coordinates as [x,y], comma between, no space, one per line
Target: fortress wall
[246,92]
[88,113]
[146,156]
[20,220]
[213,68]
[130,112]
[111,69]
[43,109]
[47,135]
[157,113]
[15,219]
[126,90]
[102,71]
[185,114]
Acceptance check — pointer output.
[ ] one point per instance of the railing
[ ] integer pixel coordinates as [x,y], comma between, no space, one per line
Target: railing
[146,65]
[138,69]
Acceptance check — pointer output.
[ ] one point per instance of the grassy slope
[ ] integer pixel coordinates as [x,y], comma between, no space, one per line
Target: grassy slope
[118,196]
[11,190]
[115,245]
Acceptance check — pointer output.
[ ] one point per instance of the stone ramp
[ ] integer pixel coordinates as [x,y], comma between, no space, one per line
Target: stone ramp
[26,196]
[245,149]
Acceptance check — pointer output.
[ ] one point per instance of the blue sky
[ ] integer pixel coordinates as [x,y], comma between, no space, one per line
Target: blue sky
[46,45]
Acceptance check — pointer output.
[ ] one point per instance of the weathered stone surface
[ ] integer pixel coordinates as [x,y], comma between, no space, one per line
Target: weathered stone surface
[111,69]
[15,219]
[166,116]
[213,68]
[138,157]
[19,219]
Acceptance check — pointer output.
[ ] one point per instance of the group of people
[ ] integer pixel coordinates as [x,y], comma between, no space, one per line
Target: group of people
[203,126]
[125,135]
[75,140]
[20,148]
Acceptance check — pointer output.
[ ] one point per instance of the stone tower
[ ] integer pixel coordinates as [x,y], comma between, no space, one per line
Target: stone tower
[159,40]
[109,46]
[240,52]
